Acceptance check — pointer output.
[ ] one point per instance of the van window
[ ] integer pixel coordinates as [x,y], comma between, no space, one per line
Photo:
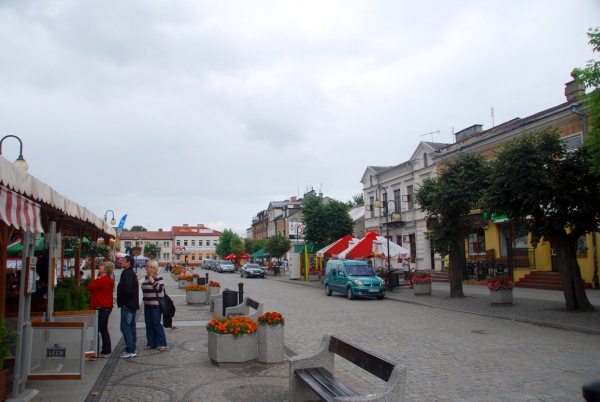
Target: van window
[360,270]
[340,268]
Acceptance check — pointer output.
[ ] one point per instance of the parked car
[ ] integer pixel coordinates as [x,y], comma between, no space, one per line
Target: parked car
[205,264]
[252,271]
[226,266]
[216,265]
[354,278]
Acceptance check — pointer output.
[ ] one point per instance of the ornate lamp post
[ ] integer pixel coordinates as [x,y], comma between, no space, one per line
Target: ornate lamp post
[112,221]
[20,162]
[395,218]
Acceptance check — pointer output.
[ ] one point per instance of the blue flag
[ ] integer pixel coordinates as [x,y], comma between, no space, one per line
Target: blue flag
[121,225]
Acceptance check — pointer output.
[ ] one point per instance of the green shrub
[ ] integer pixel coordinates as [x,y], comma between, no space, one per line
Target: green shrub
[68,297]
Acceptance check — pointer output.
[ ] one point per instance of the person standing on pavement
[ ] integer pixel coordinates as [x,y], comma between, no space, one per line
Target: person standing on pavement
[406,269]
[102,289]
[153,291]
[128,300]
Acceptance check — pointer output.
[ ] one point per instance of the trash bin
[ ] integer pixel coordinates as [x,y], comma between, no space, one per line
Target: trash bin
[230,299]
[275,270]
[201,281]
[591,391]
[393,279]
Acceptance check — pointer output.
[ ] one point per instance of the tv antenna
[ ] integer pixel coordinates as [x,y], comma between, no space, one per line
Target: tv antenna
[431,133]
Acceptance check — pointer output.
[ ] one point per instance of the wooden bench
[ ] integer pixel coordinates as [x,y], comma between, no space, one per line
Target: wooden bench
[244,309]
[312,373]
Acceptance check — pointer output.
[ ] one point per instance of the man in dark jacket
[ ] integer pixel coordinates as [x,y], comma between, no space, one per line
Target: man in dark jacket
[128,300]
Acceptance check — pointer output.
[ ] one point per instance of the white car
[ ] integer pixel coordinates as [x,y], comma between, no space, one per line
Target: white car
[226,266]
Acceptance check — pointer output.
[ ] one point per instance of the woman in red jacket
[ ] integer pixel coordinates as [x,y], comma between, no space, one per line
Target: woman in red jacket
[102,289]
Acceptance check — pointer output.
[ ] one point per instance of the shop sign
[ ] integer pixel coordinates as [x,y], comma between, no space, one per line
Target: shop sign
[55,352]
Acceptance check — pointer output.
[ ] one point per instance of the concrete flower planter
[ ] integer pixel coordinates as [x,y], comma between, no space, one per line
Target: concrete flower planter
[270,344]
[501,297]
[196,297]
[213,291]
[422,289]
[183,284]
[230,349]
[313,278]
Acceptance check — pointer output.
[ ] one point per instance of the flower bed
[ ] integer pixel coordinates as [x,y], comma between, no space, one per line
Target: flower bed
[271,319]
[500,283]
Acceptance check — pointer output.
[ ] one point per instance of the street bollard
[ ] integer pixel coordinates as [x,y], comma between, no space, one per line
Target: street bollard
[591,391]
[240,292]
[207,282]
[229,300]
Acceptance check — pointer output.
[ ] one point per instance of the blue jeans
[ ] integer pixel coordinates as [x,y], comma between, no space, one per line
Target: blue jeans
[103,314]
[128,329]
[155,333]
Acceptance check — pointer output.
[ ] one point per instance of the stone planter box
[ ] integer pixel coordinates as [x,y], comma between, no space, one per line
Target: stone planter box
[504,296]
[212,291]
[196,297]
[230,349]
[270,344]
[422,288]
[183,284]
[314,278]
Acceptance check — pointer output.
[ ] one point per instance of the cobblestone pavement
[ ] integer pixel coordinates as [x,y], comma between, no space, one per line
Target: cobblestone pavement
[450,355]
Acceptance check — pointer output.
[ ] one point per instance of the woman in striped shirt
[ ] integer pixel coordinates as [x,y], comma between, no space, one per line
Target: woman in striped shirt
[153,291]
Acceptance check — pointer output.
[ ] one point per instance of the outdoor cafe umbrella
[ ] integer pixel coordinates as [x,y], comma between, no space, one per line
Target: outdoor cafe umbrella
[380,250]
[364,248]
[231,257]
[261,254]
[336,247]
[245,256]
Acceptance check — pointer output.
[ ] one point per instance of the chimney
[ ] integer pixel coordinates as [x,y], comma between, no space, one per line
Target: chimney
[574,90]
[201,225]
[160,230]
[294,199]
[185,225]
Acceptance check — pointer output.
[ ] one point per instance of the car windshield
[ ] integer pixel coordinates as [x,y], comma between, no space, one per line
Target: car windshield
[360,270]
[227,263]
[252,266]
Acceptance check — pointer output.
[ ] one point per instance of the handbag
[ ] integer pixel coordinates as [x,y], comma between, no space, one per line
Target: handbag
[166,304]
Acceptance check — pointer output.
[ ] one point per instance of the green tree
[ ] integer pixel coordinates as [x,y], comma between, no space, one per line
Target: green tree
[150,250]
[278,245]
[325,223]
[257,244]
[248,245]
[230,242]
[590,77]
[138,228]
[537,182]
[450,197]
[357,199]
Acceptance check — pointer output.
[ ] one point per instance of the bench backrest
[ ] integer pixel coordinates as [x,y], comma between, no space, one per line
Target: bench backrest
[374,364]
[252,303]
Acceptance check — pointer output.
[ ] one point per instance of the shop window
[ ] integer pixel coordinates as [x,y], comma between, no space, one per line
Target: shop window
[582,248]
[477,242]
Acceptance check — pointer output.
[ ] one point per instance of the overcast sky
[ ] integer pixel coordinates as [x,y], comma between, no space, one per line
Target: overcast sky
[195,112]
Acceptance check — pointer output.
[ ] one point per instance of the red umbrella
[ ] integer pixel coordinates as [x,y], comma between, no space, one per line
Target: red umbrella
[231,257]
[339,246]
[364,248]
[245,256]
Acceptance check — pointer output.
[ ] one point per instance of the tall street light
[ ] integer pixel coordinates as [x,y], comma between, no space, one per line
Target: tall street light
[20,162]
[112,221]
[395,218]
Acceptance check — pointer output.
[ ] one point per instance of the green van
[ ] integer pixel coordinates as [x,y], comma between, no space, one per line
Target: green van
[354,278]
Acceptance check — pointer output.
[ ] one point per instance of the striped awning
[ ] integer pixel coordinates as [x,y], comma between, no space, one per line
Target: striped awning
[19,212]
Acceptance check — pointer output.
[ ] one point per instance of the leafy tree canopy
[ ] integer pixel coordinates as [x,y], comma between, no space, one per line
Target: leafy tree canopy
[325,223]
[230,242]
[590,77]
[138,228]
[357,199]
[278,245]
[150,250]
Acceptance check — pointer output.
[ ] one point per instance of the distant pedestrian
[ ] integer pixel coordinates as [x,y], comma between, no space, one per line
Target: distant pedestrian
[128,300]
[406,269]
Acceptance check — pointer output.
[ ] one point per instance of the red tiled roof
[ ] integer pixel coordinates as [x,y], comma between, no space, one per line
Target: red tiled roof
[149,235]
[194,231]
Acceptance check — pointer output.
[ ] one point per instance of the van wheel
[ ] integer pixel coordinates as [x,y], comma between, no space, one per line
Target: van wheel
[350,294]
[328,291]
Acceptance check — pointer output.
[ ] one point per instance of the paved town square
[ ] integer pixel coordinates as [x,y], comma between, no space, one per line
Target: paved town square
[450,355]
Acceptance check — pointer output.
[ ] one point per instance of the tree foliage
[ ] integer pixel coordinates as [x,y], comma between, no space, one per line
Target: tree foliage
[138,228]
[590,77]
[278,245]
[151,250]
[551,191]
[255,245]
[357,199]
[230,242]
[94,249]
[325,223]
[450,197]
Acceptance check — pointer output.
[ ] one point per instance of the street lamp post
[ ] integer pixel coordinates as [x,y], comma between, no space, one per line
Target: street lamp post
[112,221]
[395,217]
[20,162]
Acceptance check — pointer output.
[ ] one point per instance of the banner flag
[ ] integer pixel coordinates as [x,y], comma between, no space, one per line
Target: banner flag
[121,225]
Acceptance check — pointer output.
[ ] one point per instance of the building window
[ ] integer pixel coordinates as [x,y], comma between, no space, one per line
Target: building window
[165,256]
[207,256]
[409,195]
[200,257]
[185,243]
[208,242]
[425,159]
[371,201]
[199,242]
[178,257]
[127,244]
[179,242]
[477,242]
[194,243]
[397,201]
[165,244]
[371,180]
[573,142]
[193,257]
